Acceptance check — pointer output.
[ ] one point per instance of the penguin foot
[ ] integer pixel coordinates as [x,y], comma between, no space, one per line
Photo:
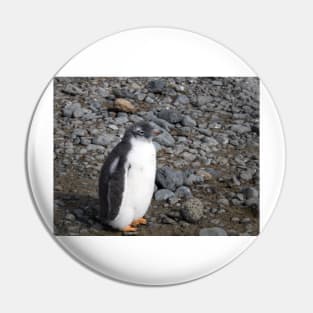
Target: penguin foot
[139,221]
[129,228]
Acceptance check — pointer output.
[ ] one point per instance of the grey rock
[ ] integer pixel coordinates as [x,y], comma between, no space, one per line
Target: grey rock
[181,99]
[102,92]
[212,231]
[85,141]
[78,132]
[174,214]
[140,96]
[188,156]
[215,125]
[222,139]
[135,118]
[205,131]
[157,86]
[246,175]
[93,147]
[165,139]
[223,202]
[103,140]
[211,141]
[78,112]
[72,90]
[162,123]
[192,210]
[97,227]
[245,220]
[203,100]
[188,121]
[79,212]
[250,192]
[167,220]
[190,179]
[121,120]
[235,219]
[171,116]
[163,194]
[149,100]
[94,105]
[173,200]
[183,192]
[70,107]
[70,217]
[240,129]
[217,82]
[113,127]
[122,93]
[169,178]
[215,221]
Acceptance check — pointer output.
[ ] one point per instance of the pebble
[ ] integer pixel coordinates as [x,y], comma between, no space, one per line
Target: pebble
[157,86]
[167,220]
[169,178]
[241,129]
[103,140]
[182,99]
[183,192]
[171,116]
[223,202]
[245,220]
[188,121]
[124,105]
[235,219]
[163,194]
[165,139]
[70,217]
[212,231]
[70,108]
[250,193]
[72,90]
[192,210]
[203,100]
[190,179]
[189,156]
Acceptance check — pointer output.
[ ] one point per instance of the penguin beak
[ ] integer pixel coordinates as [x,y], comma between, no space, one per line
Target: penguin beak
[156,132]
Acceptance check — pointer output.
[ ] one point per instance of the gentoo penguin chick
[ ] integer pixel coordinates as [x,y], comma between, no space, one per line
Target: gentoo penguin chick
[127,178]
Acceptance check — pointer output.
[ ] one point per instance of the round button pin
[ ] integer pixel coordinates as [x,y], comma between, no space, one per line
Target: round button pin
[155,156]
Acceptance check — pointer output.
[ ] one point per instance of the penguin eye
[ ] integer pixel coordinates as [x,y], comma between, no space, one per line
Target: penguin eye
[140,132]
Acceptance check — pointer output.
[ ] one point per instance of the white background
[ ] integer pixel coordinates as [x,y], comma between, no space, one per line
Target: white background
[37,37]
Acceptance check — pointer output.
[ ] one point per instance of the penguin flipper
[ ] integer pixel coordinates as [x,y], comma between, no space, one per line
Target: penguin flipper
[111,189]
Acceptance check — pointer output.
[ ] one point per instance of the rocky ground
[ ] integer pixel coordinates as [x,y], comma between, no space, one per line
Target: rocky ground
[208,151]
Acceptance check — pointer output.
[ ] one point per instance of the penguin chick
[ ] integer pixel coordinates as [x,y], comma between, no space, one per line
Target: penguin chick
[127,178]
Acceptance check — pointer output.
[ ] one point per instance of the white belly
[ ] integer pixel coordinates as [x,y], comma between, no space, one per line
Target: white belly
[139,183]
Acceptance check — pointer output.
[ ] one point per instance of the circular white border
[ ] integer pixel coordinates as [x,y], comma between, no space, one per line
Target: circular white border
[154,260]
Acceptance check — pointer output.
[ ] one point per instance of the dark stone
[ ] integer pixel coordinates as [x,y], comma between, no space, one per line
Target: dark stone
[169,178]
[183,192]
[212,231]
[171,116]
[163,194]
[182,99]
[156,86]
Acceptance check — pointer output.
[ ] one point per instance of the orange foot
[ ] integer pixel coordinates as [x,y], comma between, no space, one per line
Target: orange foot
[129,228]
[139,221]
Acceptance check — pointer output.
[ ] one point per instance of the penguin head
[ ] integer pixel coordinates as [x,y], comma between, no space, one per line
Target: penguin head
[142,130]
